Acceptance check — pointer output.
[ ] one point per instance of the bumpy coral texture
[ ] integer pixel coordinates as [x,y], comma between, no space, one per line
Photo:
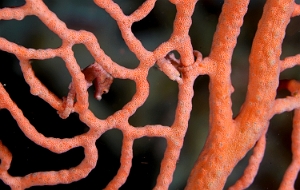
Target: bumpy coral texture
[229,138]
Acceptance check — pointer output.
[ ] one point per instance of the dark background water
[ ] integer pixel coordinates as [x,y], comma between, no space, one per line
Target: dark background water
[159,107]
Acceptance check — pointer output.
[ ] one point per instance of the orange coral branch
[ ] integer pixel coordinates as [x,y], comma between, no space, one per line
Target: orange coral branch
[229,138]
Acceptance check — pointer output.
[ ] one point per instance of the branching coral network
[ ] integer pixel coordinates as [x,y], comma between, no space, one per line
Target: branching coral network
[229,138]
